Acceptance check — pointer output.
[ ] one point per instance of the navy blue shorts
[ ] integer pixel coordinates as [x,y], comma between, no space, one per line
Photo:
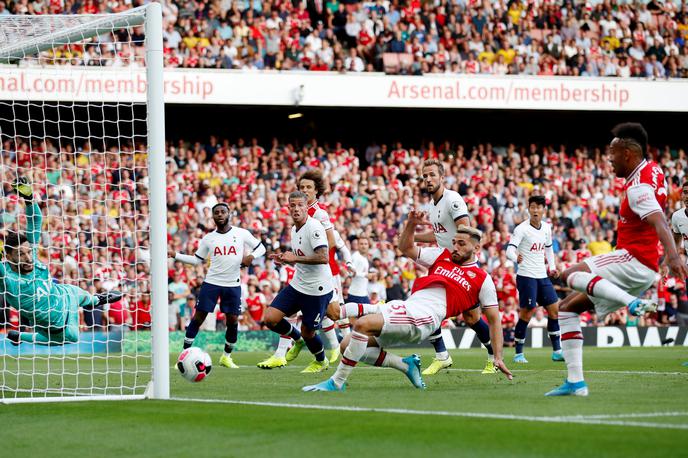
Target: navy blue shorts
[289,301]
[535,291]
[230,299]
[358,299]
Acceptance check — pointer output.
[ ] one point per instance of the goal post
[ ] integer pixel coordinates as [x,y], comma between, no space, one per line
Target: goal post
[96,165]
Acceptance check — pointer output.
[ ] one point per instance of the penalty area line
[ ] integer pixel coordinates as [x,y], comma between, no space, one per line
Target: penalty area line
[586,420]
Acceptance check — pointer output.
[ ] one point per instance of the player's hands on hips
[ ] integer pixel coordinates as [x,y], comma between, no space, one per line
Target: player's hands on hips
[23,187]
[554,273]
[499,364]
[519,259]
[677,267]
[247,260]
[171,252]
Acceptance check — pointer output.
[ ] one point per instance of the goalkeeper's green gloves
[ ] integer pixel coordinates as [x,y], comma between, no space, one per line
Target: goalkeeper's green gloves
[24,188]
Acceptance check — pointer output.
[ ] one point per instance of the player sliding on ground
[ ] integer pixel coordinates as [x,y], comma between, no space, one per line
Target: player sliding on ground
[449,211]
[610,281]
[52,309]
[227,249]
[454,284]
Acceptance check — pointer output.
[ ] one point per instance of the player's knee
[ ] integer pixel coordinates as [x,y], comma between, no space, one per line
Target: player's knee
[363,325]
[525,314]
[307,333]
[270,319]
[553,312]
[199,317]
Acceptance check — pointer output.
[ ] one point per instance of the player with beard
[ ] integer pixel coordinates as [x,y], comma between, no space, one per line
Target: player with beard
[448,212]
[454,284]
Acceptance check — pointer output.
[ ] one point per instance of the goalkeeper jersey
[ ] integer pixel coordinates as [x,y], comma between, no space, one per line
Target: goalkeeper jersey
[39,300]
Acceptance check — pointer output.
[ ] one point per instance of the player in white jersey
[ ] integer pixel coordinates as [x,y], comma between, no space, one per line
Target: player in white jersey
[309,291]
[358,289]
[530,245]
[679,222]
[313,185]
[679,226]
[448,211]
[227,249]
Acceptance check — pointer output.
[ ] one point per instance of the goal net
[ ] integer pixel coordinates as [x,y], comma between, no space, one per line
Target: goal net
[82,207]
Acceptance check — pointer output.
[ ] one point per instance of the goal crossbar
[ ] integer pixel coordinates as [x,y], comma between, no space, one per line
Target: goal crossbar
[90,26]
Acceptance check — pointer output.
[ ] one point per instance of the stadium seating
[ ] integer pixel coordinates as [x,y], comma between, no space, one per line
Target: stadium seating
[607,39]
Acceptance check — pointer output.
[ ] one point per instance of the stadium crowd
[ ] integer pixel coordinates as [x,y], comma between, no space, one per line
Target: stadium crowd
[96,230]
[608,38]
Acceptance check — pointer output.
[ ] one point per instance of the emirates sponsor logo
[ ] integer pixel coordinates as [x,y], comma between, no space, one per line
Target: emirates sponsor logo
[455,274]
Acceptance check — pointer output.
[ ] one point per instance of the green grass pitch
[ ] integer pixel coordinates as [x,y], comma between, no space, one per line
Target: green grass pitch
[638,406]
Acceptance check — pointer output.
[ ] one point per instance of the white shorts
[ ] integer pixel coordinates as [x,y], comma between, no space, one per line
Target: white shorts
[337,293]
[412,321]
[625,271]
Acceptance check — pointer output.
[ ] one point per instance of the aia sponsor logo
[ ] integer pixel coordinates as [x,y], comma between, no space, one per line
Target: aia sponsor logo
[438,228]
[224,250]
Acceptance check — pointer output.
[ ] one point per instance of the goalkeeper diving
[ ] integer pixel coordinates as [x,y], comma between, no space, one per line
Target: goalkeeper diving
[51,309]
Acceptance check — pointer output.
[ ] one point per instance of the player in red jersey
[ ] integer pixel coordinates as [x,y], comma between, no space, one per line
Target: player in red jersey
[613,280]
[454,284]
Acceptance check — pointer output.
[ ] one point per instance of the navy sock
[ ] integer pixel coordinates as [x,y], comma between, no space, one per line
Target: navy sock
[231,336]
[482,330]
[191,332]
[316,347]
[284,328]
[520,335]
[437,341]
[554,333]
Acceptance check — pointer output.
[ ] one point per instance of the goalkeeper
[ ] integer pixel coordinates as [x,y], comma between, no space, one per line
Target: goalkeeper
[51,309]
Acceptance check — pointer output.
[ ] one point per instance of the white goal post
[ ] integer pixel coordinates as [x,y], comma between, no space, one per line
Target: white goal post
[97,170]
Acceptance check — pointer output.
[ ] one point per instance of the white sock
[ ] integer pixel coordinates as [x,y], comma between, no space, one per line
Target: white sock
[596,286]
[283,347]
[372,357]
[352,355]
[442,355]
[490,357]
[229,355]
[572,345]
[356,310]
[328,333]
[344,327]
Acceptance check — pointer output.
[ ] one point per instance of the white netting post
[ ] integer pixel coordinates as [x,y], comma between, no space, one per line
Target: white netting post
[158,207]
[78,119]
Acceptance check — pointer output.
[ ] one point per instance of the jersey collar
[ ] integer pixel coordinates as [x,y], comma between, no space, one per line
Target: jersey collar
[438,200]
[636,170]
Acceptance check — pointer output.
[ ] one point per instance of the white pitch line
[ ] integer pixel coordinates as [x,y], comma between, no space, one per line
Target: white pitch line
[442,413]
[630,415]
[564,370]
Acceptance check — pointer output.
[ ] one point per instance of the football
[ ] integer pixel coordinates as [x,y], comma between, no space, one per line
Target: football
[194,364]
